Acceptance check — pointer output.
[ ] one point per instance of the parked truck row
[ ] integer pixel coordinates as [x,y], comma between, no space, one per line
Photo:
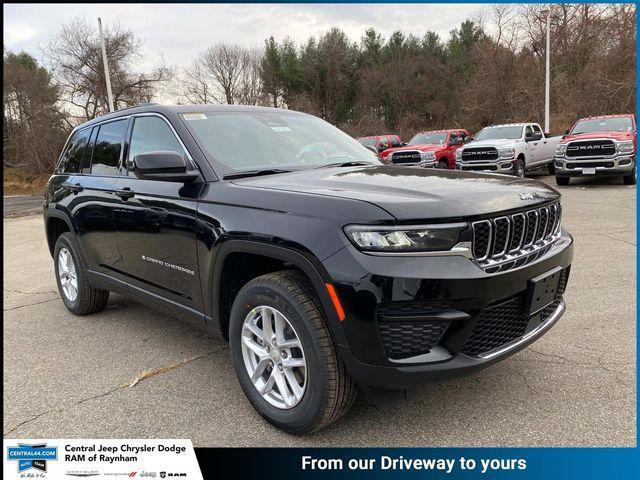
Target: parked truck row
[602,145]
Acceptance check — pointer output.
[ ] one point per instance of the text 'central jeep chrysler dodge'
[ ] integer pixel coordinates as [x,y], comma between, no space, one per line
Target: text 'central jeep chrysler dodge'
[325,269]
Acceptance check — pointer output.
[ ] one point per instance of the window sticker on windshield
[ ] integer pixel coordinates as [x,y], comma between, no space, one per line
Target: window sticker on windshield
[194,116]
[281,129]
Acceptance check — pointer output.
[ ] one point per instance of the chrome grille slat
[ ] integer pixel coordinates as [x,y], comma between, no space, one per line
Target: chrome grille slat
[507,242]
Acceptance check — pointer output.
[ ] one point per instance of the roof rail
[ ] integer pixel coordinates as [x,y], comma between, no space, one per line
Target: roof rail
[144,104]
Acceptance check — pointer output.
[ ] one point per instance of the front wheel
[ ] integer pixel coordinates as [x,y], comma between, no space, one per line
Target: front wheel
[443,165]
[630,179]
[562,181]
[284,356]
[552,168]
[520,168]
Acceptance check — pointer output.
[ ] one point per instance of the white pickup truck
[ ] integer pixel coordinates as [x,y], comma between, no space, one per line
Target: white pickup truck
[512,149]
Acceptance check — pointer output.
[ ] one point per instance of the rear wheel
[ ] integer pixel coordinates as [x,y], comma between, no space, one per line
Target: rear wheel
[78,295]
[284,356]
[562,181]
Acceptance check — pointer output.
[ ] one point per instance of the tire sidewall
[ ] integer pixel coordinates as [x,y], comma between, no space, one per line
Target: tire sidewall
[65,241]
[520,168]
[310,407]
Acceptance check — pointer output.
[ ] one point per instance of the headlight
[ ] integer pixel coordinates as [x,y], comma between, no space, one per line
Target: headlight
[373,238]
[625,147]
[459,155]
[561,150]
[427,157]
[507,152]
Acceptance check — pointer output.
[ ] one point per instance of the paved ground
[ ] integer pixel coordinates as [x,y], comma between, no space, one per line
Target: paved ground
[21,205]
[65,376]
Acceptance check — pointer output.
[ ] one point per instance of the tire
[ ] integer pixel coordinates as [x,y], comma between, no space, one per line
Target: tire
[562,181]
[520,168]
[328,392]
[552,168]
[443,165]
[87,299]
[630,179]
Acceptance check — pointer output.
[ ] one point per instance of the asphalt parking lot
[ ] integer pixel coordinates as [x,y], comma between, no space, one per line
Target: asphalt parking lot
[67,376]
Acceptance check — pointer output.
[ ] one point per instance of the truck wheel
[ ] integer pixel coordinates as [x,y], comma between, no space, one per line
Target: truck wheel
[442,164]
[562,181]
[284,356]
[552,168]
[520,168]
[78,295]
[631,178]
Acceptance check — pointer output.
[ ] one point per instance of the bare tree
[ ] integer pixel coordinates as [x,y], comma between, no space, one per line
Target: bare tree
[77,65]
[224,73]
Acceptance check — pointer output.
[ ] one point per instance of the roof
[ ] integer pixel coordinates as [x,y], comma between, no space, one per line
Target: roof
[168,110]
[380,136]
[616,115]
[442,131]
[522,124]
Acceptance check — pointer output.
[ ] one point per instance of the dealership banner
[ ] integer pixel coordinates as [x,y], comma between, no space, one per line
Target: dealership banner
[67,458]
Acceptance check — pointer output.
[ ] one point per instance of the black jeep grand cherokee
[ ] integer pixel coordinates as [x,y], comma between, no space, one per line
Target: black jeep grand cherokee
[323,267]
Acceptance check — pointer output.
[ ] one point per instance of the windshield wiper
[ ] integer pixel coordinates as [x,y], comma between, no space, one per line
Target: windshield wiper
[254,173]
[352,163]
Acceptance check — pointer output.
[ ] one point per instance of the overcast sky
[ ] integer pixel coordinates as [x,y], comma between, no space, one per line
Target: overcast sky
[180,32]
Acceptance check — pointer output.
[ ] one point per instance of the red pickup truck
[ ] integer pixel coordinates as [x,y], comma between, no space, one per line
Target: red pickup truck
[603,145]
[382,143]
[435,147]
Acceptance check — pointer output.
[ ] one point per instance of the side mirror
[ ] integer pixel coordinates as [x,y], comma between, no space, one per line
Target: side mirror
[163,165]
[533,137]
[566,132]
[456,141]
[382,147]
[468,139]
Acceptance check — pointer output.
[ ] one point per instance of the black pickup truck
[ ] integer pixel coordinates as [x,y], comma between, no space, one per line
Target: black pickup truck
[328,271]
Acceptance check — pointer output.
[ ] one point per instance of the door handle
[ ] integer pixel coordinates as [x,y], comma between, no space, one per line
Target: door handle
[77,188]
[125,193]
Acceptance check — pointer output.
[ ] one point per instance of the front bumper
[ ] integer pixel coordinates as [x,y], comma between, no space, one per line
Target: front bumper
[498,166]
[475,310]
[573,166]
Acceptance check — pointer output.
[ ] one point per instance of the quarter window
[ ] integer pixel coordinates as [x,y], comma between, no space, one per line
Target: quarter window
[106,152]
[71,161]
[151,134]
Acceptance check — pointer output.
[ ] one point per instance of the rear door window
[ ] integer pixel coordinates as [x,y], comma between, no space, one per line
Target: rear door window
[108,148]
[71,161]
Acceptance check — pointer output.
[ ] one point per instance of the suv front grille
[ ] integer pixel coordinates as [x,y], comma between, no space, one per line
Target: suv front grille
[479,154]
[591,148]
[506,322]
[510,241]
[406,157]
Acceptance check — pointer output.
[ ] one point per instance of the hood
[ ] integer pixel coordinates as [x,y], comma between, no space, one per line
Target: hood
[600,135]
[426,147]
[501,142]
[410,193]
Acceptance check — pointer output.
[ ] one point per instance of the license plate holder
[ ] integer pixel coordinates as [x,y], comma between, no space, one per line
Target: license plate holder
[542,290]
[589,171]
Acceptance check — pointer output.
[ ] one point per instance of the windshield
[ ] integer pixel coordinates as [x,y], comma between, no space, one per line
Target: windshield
[497,133]
[264,140]
[615,124]
[428,139]
[368,142]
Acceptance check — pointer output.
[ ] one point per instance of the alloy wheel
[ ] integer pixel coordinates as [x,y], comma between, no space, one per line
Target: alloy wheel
[273,357]
[67,275]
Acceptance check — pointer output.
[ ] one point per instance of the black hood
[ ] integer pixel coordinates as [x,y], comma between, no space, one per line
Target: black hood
[410,193]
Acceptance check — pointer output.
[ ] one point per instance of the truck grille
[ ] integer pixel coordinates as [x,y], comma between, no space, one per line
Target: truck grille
[505,322]
[479,154]
[405,157]
[510,241]
[591,148]
[402,331]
